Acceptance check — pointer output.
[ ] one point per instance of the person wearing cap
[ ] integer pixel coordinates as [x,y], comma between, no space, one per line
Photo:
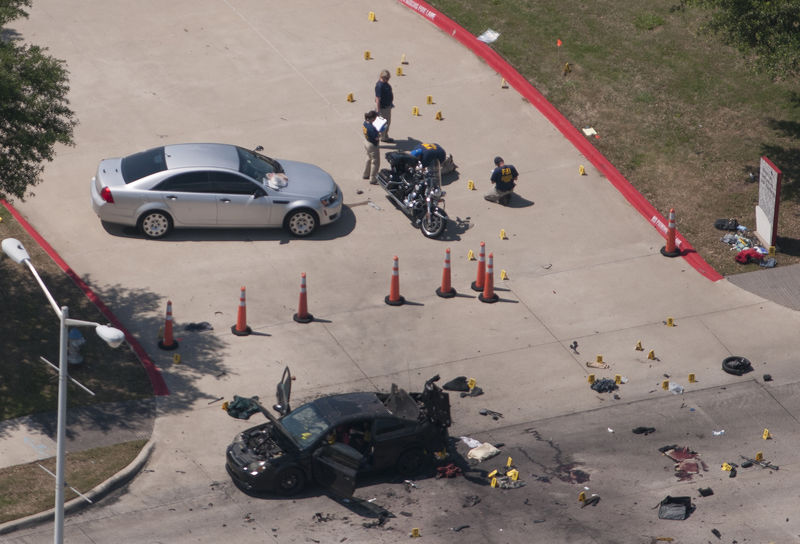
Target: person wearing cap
[384,102]
[504,177]
[428,154]
[371,136]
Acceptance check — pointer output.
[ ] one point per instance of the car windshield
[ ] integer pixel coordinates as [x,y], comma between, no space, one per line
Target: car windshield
[143,164]
[305,425]
[257,166]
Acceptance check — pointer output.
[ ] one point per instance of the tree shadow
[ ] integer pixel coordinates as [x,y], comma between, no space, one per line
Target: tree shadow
[785,158]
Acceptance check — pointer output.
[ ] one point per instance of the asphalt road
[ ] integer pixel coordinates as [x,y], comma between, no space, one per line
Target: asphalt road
[582,266]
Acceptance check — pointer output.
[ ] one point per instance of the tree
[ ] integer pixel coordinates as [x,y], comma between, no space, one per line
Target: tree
[34,110]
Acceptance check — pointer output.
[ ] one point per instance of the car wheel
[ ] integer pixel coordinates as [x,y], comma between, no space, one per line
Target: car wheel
[301,222]
[411,462]
[155,224]
[290,481]
[432,226]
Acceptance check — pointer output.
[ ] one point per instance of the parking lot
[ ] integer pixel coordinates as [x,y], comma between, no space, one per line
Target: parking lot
[582,266]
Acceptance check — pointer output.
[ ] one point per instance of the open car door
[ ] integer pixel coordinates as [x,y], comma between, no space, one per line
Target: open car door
[283,393]
[335,468]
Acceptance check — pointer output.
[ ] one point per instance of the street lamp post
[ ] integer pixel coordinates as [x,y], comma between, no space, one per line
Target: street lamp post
[112,336]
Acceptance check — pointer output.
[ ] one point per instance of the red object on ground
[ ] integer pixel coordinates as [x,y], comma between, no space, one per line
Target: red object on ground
[302,315]
[488,294]
[477,285]
[394,298]
[241,328]
[168,342]
[446,290]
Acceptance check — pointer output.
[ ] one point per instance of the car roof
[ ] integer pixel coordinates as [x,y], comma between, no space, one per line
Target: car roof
[202,155]
[347,406]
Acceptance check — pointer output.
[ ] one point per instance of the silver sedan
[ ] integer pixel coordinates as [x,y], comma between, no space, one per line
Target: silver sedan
[213,185]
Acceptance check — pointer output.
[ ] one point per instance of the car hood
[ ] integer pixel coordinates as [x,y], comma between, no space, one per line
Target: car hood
[306,179]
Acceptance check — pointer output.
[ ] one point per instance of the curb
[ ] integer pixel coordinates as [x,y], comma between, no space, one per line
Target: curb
[113,483]
[563,125]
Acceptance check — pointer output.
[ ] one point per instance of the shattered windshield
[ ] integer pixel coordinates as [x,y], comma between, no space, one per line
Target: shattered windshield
[305,425]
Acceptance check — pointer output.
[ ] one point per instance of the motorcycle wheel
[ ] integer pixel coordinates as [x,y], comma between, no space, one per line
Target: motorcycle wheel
[432,226]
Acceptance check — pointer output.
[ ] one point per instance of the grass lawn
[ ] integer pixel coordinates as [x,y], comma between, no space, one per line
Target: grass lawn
[680,114]
[30,329]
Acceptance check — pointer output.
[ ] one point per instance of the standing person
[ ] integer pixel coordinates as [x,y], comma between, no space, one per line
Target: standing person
[503,179]
[384,102]
[371,136]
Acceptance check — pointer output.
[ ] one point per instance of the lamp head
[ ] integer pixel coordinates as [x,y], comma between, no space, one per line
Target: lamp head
[113,337]
[14,249]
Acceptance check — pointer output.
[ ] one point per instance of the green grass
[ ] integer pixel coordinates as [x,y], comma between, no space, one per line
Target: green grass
[680,114]
[27,489]
[28,386]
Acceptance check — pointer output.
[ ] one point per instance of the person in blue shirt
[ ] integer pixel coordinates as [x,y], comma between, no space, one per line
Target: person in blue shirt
[504,177]
[428,153]
[371,136]
[384,102]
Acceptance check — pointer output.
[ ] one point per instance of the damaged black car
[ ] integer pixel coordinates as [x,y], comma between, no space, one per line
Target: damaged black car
[334,439]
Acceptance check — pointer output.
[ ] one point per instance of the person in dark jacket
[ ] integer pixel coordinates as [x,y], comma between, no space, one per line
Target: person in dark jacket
[428,153]
[384,102]
[504,177]
[371,136]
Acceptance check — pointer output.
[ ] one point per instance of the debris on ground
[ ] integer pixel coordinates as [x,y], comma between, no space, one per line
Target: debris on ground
[705,491]
[767,378]
[470,500]
[675,508]
[474,392]
[470,442]
[241,407]
[574,345]
[457,384]
[604,385]
[596,364]
[687,462]
[675,389]
[382,517]
[495,415]
[202,326]
[447,471]
[716,533]
[459,528]
[409,485]
[644,430]
[320,517]
[483,452]
[591,501]
[760,462]
[736,365]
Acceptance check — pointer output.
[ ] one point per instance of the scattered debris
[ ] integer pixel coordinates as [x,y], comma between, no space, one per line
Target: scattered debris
[767,378]
[759,462]
[320,517]
[604,385]
[705,491]
[574,345]
[644,430]
[716,533]
[470,442]
[688,462]
[448,471]
[675,389]
[474,392]
[483,452]
[457,384]
[495,415]
[371,203]
[216,400]
[242,408]
[591,501]
[488,36]
[539,520]
[202,326]
[596,364]
[409,485]
[470,500]
[382,517]
[675,508]
[726,224]
[459,528]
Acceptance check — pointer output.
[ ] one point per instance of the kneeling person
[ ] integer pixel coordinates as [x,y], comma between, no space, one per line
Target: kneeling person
[504,178]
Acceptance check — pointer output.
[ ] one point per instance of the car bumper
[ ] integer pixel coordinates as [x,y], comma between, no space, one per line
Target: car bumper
[110,213]
[331,213]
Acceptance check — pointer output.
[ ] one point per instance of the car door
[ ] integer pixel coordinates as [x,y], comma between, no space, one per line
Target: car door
[391,436]
[283,393]
[335,467]
[188,199]
[241,202]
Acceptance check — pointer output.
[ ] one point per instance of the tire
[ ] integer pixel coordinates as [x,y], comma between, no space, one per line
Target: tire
[290,481]
[155,224]
[736,365]
[411,462]
[432,226]
[301,223]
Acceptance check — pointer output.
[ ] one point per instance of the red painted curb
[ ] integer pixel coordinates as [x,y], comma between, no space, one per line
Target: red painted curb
[522,86]
[156,379]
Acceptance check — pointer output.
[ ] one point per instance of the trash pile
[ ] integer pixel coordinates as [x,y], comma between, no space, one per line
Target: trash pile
[748,250]
[687,462]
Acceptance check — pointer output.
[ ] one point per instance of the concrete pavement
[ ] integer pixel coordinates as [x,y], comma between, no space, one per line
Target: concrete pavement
[582,264]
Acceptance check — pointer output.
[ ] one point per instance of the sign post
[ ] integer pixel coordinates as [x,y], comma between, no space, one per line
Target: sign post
[769,199]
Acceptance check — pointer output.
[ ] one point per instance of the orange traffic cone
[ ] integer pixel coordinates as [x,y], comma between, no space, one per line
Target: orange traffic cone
[241,328]
[394,298]
[670,250]
[477,285]
[446,290]
[302,315]
[488,294]
[168,342]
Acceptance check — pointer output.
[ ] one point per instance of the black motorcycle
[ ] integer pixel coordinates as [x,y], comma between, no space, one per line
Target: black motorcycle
[417,190]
